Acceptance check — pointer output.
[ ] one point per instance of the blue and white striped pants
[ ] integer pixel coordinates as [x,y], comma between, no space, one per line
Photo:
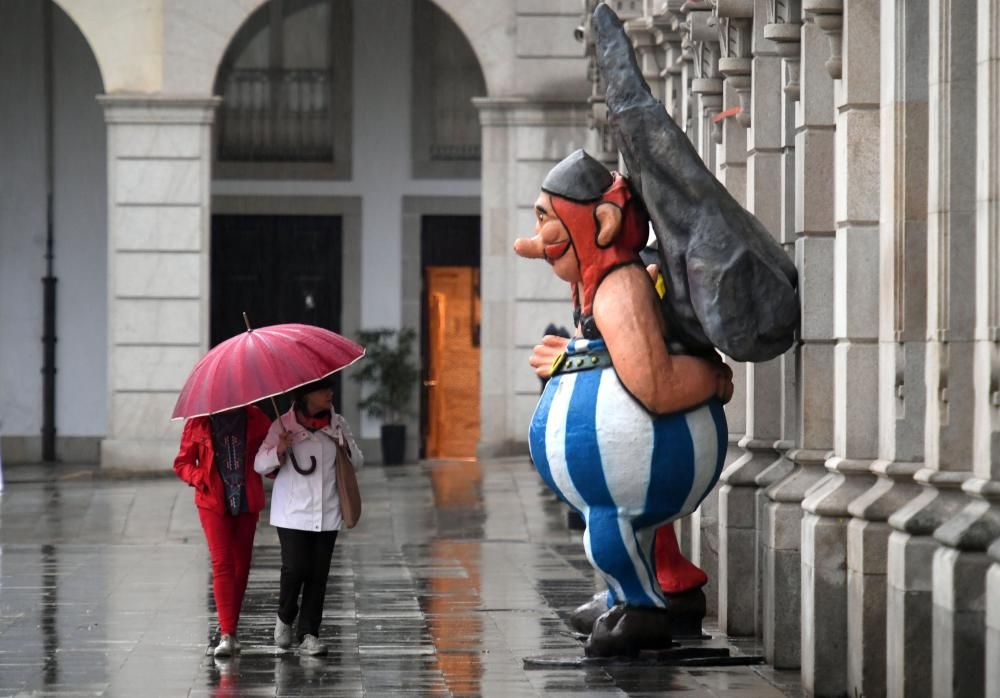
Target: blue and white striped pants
[625,470]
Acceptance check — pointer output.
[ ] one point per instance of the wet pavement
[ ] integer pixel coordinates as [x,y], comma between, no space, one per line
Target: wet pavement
[457,572]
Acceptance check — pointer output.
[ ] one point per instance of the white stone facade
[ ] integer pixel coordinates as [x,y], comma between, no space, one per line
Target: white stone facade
[154,73]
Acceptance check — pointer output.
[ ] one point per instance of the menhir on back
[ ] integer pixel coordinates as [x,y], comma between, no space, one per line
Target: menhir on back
[729,283]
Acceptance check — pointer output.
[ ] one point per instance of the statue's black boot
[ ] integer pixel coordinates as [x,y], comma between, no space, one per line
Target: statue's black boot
[582,618]
[624,631]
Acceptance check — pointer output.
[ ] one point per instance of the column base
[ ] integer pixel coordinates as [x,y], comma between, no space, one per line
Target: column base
[909,599]
[738,538]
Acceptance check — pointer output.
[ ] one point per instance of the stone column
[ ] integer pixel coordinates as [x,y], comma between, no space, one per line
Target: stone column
[648,54]
[706,87]
[856,314]
[740,513]
[903,251]
[670,36]
[903,255]
[814,244]
[731,170]
[912,654]
[522,140]
[780,602]
[968,325]
[159,158]
[770,154]
[987,297]
[687,120]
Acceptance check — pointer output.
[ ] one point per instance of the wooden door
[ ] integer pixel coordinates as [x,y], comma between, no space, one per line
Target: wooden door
[453,362]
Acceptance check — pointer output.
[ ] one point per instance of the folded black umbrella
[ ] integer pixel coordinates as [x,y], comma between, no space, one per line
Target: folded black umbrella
[729,283]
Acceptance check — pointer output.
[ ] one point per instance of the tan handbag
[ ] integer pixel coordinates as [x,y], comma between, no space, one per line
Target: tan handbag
[347,489]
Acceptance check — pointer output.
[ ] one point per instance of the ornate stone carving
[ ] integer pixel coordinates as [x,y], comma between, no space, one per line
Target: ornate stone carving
[704,41]
[734,21]
[784,26]
[648,52]
[597,121]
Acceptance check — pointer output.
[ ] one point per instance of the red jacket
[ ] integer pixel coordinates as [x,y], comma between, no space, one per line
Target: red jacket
[195,462]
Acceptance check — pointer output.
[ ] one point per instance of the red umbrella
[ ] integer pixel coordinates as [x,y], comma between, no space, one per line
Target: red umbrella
[262,363]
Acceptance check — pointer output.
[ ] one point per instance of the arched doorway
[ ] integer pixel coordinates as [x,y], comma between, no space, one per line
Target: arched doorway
[342,144]
[53,239]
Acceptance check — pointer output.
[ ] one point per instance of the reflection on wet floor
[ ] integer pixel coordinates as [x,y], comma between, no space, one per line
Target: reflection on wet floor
[457,572]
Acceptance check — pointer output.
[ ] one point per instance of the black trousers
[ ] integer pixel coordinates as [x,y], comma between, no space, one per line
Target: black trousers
[305,567]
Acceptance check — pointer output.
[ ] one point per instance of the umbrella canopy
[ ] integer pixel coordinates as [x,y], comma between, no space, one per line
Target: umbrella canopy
[262,363]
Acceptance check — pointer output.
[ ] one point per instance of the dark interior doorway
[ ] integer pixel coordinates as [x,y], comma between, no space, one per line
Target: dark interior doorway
[277,269]
[449,309]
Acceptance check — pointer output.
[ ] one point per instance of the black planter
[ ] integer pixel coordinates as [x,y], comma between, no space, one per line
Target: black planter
[393,443]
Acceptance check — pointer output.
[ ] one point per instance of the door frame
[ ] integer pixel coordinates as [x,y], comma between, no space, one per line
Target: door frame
[415,208]
[348,208]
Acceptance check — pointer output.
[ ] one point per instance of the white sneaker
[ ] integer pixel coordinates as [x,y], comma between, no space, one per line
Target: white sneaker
[282,633]
[226,647]
[311,646]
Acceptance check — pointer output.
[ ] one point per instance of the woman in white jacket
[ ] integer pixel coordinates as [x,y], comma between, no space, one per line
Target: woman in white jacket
[305,506]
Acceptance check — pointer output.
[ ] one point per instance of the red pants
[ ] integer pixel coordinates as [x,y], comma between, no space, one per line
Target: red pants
[230,543]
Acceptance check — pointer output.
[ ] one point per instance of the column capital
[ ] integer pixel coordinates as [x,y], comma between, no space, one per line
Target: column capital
[784,28]
[736,52]
[703,40]
[158,109]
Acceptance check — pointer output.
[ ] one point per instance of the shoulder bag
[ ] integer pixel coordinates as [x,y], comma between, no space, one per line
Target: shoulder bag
[347,489]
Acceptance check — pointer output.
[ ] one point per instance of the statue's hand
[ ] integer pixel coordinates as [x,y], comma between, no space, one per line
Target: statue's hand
[545,353]
[724,383]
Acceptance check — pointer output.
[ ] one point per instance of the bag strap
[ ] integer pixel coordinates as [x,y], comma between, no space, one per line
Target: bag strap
[340,448]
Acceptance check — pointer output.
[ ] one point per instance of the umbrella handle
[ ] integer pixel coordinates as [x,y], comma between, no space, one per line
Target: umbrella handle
[303,471]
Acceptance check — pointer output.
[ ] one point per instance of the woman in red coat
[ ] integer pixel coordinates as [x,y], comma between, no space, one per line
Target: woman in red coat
[216,458]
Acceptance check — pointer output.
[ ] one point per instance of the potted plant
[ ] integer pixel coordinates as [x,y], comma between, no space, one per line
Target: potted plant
[391,372]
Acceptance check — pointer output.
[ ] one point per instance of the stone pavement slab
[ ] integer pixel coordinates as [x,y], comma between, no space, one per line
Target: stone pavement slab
[456,573]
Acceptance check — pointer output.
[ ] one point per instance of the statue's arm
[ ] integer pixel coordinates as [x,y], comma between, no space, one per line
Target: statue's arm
[626,314]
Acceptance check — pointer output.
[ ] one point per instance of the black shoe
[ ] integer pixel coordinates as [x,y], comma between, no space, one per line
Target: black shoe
[624,631]
[687,611]
[582,618]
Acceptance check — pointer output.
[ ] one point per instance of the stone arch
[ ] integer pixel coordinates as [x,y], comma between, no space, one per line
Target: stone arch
[67,9]
[139,50]
[482,36]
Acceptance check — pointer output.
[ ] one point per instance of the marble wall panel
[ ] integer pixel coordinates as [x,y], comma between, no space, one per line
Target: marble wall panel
[158,228]
[158,182]
[142,413]
[157,321]
[530,318]
[152,368]
[144,274]
[161,141]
